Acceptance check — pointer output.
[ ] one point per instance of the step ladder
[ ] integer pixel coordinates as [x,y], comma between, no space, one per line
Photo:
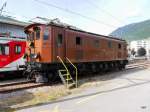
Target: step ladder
[65,75]
[66,78]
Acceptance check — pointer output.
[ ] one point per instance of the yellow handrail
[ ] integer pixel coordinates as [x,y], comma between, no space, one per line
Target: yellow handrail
[75,69]
[64,66]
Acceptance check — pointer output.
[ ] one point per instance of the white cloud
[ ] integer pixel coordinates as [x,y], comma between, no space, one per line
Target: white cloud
[97,28]
[133,13]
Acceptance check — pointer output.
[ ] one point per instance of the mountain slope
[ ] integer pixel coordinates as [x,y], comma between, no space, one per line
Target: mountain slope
[134,31]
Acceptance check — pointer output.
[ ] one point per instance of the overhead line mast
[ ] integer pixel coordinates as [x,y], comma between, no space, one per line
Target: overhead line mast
[2,8]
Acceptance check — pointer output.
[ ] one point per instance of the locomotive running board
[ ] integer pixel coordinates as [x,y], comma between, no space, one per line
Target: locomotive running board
[66,76]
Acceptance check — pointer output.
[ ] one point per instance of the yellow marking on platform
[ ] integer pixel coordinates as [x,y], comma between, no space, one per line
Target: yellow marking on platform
[56,109]
[86,99]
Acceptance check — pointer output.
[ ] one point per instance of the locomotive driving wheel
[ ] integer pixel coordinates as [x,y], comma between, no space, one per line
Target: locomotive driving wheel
[53,77]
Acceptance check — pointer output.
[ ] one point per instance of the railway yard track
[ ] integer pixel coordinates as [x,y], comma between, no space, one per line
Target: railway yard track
[141,64]
[22,85]
[12,87]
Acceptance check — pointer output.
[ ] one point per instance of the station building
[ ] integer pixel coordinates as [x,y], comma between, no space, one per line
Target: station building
[12,26]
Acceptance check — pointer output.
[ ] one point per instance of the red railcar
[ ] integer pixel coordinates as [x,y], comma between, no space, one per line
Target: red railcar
[12,50]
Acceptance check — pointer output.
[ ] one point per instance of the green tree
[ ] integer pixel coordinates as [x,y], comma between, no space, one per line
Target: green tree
[141,51]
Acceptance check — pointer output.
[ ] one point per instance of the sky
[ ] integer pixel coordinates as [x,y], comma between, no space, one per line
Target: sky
[97,16]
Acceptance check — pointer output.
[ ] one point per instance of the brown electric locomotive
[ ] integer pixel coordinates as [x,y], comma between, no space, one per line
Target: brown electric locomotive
[88,51]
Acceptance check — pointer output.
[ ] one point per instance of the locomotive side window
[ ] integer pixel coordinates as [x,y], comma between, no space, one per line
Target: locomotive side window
[59,40]
[17,49]
[119,46]
[4,49]
[78,41]
[109,44]
[46,34]
[96,43]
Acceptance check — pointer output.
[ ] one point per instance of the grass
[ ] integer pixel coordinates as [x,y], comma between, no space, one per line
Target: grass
[39,96]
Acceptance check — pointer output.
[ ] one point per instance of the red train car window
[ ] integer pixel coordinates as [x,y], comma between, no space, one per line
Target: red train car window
[4,49]
[17,49]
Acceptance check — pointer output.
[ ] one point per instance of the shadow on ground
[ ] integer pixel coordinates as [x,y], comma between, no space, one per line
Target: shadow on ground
[6,104]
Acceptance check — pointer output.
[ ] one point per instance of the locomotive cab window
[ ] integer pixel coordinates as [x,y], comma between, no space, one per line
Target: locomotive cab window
[78,41]
[37,31]
[4,49]
[59,40]
[30,36]
[17,49]
[46,33]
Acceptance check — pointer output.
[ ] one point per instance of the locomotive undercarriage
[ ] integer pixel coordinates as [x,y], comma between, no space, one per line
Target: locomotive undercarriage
[48,72]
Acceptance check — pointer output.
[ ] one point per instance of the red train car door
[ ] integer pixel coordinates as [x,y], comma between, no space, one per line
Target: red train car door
[4,54]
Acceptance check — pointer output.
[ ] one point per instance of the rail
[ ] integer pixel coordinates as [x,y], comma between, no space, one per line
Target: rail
[75,69]
[8,88]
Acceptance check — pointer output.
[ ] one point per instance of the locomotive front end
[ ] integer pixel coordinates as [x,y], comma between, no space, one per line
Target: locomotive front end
[38,51]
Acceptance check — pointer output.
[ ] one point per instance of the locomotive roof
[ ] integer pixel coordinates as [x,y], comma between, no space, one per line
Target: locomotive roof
[66,26]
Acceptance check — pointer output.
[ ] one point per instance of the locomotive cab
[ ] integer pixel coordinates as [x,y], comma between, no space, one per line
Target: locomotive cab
[45,43]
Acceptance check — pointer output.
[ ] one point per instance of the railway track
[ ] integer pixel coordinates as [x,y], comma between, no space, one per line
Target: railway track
[22,85]
[12,87]
[141,64]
